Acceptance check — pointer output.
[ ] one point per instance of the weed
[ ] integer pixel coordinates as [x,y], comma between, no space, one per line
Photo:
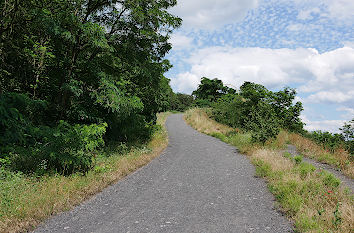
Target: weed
[329,179]
[337,216]
[305,169]
[287,155]
[262,169]
[298,159]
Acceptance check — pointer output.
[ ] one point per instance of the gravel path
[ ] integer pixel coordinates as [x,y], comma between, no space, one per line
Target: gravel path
[199,184]
[346,181]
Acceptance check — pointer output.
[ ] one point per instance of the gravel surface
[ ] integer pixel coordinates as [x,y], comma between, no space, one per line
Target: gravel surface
[346,181]
[199,184]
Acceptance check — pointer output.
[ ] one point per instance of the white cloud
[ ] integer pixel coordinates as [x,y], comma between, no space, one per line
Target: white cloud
[337,9]
[328,77]
[208,14]
[341,9]
[180,41]
[186,81]
[296,27]
[308,14]
[333,72]
[331,97]
[349,44]
[273,68]
[325,125]
[348,112]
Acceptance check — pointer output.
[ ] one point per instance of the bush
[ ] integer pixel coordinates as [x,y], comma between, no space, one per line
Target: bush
[298,159]
[17,114]
[65,149]
[263,123]
[227,110]
[259,110]
[133,129]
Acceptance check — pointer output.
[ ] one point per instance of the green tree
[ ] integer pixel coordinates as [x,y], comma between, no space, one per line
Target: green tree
[209,90]
[259,110]
[287,111]
[263,122]
[348,135]
[182,102]
[83,62]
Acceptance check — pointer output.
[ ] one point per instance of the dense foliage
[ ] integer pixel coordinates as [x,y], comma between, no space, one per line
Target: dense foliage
[174,101]
[72,70]
[256,109]
[210,90]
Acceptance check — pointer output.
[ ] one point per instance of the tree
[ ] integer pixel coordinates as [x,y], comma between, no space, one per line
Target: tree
[182,102]
[263,122]
[348,130]
[83,62]
[209,90]
[287,112]
[348,135]
[259,110]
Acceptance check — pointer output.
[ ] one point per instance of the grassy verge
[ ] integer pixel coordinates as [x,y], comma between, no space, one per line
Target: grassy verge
[26,201]
[339,158]
[311,198]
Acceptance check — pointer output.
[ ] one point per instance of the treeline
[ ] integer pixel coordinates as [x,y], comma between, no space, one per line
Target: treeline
[264,113]
[334,141]
[77,74]
[171,101]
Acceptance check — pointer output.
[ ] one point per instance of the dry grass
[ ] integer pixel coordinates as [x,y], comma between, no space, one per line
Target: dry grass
[311,198]
[31,200]
[340,158]
[279,163]
[200,121]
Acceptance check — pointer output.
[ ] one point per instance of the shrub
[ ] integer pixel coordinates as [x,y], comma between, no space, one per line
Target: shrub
[64,149]
[227,110]
[298,159]
[263,123]
[329,179]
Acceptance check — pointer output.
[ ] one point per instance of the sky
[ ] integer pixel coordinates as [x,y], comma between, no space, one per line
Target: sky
[303,44]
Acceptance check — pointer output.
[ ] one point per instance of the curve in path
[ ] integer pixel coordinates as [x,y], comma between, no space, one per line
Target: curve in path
[199,184]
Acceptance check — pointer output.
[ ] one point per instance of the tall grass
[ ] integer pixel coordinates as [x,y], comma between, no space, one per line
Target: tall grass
[25,201]
[311,198]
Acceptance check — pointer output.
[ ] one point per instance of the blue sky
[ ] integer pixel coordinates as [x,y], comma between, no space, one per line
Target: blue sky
[304,44]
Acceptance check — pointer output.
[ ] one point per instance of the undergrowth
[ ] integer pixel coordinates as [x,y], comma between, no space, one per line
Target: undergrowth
[27,200]
[312,198]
